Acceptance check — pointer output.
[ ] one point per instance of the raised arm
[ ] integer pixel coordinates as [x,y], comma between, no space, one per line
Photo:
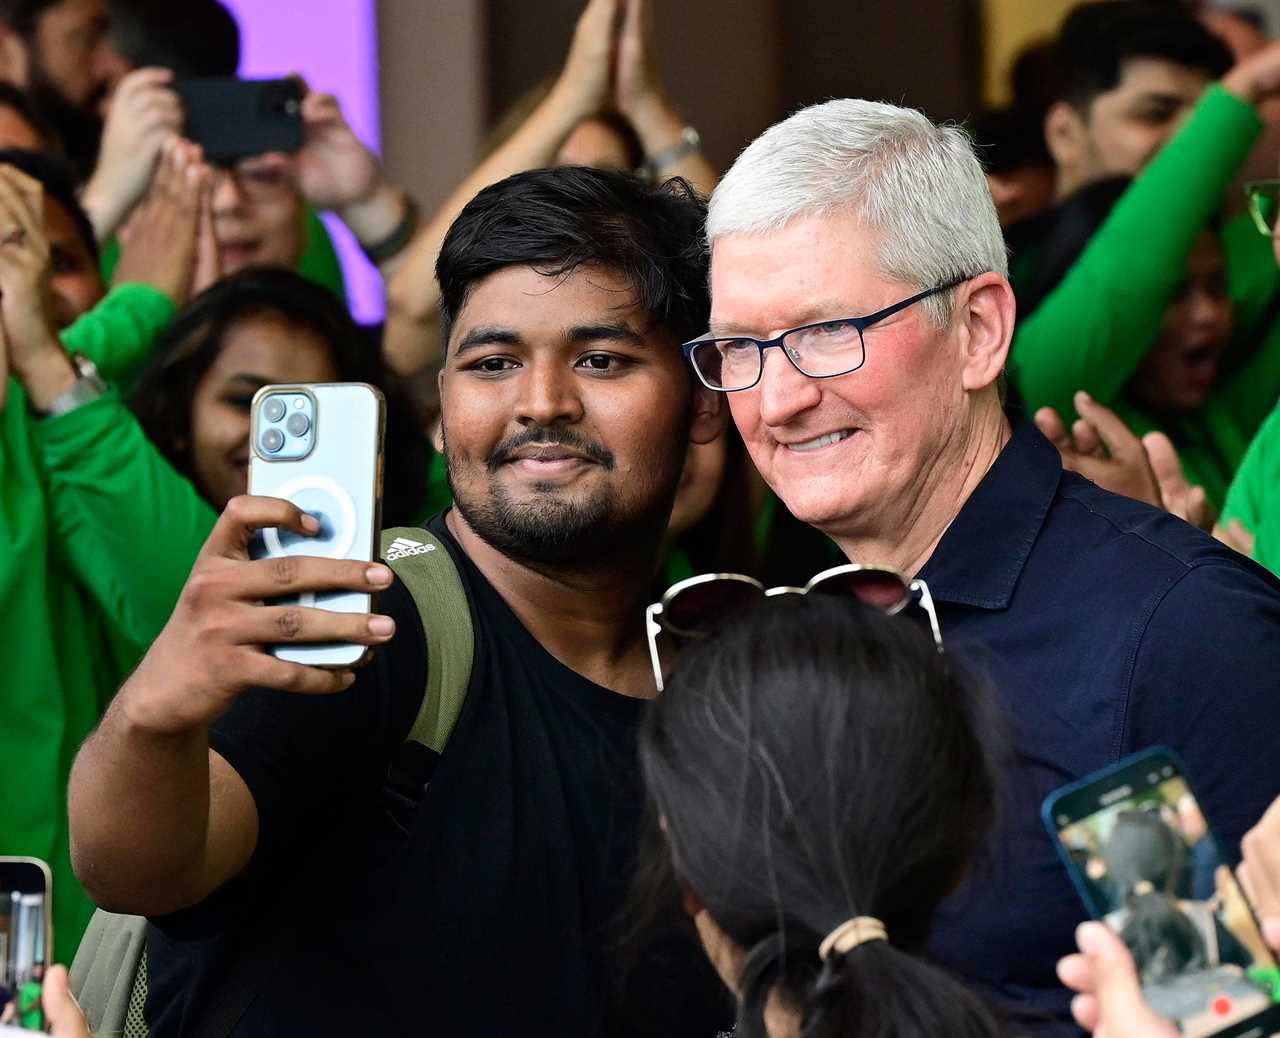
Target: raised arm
[1093,330]
[582,90]
[158,819]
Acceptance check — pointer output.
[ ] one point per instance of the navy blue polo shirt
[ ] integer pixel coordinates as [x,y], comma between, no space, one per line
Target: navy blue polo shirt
[1106,626]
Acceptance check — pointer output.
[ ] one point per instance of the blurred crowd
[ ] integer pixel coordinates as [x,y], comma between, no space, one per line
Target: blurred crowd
[1085,282]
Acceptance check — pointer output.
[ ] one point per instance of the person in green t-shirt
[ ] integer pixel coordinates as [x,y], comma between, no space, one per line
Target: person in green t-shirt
[30,1012]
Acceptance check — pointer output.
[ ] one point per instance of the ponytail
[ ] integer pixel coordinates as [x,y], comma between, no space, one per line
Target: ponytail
[1164,942]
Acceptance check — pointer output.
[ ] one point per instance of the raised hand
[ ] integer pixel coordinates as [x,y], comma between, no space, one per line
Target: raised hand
[1180,498]
[334,168]
[159,243]
[144,114]
[585,85]
[1102,448]
[636,82]
[214,646]
[27,327]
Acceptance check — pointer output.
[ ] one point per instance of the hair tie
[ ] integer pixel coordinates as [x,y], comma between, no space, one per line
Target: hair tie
[851,933]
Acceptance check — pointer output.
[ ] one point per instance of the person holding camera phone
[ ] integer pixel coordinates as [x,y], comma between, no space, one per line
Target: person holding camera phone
[222,777]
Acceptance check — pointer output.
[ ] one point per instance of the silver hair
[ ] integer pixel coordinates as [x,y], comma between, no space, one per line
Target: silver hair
[918,187]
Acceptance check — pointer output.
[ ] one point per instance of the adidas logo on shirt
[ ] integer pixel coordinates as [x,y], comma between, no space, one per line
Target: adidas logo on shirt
[402,548]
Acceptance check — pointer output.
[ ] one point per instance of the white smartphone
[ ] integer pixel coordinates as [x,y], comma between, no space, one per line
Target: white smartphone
[26,939]
[320,446]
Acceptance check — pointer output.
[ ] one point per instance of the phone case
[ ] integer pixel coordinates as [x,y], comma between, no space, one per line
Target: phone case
[340,482]
[235,118]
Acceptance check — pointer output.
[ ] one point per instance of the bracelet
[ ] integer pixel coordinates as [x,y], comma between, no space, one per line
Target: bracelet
[689,142]
[395,242]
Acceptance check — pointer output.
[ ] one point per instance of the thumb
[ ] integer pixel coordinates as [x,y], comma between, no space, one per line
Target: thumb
[1116,437]
[1271,932]
[1121,1011]
[1164,459]
[65,1016]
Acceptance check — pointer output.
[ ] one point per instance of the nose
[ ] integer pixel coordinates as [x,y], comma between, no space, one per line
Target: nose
[228,193]
[785,393]
[548,395]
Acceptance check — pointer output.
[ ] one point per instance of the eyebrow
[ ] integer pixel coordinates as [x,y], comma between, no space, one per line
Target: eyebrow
[251,379]
[1160,98]
[498,336]
[813,313]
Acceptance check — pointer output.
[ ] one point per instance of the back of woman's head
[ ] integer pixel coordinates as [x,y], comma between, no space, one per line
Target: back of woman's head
[1145,860]
[814,762]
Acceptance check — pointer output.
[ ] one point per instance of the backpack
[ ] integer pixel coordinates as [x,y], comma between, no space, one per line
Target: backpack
[109,974]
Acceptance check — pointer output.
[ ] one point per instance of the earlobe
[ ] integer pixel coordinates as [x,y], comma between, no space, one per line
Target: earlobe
[987,311]
[1063,133]
[710,415]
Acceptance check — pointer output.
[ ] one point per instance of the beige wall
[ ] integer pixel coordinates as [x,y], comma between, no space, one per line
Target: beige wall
[1009,25]
[432,83]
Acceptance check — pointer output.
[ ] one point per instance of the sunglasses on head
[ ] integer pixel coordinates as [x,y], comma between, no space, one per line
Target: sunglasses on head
[695,607]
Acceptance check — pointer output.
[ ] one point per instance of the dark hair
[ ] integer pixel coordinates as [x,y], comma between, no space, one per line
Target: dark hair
[1145,860]
[556,220]
[58,180]
[766,762]
[12,97]
[1009,139]
[165,390]
[1098,38]
[193,38]
[22,15]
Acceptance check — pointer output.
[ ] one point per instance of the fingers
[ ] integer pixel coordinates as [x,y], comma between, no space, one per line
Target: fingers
[144,79]
[1113,982]
[245,515]
[296,574]
[264,671]
[277,625]
[1260,870]
[1116,437]
[1050,423]
[23,197]
[65,1017]
[1088,442]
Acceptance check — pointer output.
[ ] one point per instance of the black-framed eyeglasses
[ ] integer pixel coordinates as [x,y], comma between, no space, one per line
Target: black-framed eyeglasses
[694,607]
[822,350]
[1263,197]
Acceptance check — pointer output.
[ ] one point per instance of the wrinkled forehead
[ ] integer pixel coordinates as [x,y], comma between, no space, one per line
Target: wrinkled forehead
[812,267]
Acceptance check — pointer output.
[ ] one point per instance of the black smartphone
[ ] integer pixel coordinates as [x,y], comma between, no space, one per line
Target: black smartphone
[26,939]
[1145,861]
[236,118]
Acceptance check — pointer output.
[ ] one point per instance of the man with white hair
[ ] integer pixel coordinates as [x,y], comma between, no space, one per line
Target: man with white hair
[861,239]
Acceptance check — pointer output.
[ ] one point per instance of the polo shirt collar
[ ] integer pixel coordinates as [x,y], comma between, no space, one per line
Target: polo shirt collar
[982,554]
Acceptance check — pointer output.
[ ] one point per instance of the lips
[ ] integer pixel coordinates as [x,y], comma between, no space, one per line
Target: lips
[545,452]
[817,443]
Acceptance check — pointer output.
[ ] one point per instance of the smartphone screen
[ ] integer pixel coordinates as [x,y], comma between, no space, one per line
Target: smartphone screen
[1142,855]
[25,940]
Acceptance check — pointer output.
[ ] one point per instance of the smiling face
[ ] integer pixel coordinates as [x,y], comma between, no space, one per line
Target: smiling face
[1180,369]
[257,350]
[850,455]
[565,414]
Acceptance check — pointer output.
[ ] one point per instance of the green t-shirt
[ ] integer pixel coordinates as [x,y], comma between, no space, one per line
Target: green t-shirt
[1254,497]
[30,1014]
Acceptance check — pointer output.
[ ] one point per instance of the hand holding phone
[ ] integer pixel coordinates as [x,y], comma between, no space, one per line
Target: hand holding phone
[1144,860]
[320,447]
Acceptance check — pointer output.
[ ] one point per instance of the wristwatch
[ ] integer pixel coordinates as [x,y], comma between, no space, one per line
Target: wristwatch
[89,385]
[689,142]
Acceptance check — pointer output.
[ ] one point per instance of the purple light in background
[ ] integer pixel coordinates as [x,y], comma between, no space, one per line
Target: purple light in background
[333,45]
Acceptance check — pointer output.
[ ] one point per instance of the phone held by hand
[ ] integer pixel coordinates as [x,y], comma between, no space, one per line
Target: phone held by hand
[1144,860]
[26,940]
[235,118]
[320,446]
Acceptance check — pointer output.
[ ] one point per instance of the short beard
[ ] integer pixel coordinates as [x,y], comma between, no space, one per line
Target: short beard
[564,535]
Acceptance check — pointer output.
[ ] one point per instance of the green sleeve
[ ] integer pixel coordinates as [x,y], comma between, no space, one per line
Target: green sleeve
[1255,491]
[118,333]
[1092,331]
[319,262]
[128,525]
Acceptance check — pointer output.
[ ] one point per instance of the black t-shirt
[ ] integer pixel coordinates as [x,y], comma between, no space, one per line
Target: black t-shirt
[496,915]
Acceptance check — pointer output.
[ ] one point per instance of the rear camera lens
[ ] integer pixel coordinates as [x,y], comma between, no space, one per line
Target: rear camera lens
[298,424]
[272,440]
[273,410]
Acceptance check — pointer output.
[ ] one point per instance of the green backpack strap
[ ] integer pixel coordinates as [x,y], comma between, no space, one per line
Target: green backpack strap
[427,569]
[109,974]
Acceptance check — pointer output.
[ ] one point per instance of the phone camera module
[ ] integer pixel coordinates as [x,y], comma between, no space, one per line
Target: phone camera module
[272,440]
[273,410]
[298,424]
